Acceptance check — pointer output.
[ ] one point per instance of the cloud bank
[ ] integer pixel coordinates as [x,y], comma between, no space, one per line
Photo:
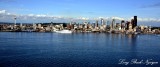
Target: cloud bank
[42,18]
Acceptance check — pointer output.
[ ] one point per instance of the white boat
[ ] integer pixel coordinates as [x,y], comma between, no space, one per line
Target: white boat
[64,31]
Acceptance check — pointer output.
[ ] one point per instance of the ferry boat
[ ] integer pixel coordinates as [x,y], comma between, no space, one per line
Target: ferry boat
[63,31]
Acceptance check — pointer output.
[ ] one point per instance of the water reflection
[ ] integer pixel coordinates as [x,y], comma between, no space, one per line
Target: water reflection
[78,48]
[133,45]
[132,38]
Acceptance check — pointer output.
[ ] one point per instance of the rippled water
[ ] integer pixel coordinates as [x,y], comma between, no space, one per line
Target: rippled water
[22,49]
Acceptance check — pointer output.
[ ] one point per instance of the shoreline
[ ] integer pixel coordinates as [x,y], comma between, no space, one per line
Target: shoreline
[106,32]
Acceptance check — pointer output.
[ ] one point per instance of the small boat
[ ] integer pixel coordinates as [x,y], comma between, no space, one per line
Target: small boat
[64,31]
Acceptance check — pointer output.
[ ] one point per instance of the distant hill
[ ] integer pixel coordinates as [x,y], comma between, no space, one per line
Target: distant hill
[12,23]
[8,23]
[5,23]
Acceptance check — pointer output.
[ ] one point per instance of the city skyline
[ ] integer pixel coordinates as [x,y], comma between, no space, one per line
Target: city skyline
[83,10]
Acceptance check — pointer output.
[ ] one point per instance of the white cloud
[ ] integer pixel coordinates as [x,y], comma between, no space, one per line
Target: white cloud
[8,13]
[148,19]
[82,18]
[109,18]
[30,15]
[139,19]
[5,16]
[118,18]
[2,11]
[41,15]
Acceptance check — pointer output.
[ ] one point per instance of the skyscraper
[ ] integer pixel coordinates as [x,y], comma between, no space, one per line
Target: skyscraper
[127,25]
[94,25]
[135,21]
[122,24]
[97,23]
[113,24]
[102,21]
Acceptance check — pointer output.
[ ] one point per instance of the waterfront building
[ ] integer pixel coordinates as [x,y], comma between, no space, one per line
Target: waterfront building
[97,25]
[130,26]
[91,26]
[81,26]
[142,27]
[34,26]
[47,29]
[118,26]
[11,27]
[61,27]
[75,27]
[135,29]
[68,26]
[72,26]
[150,28]
[94,25]
[39,25]
[21,24]
[51,25]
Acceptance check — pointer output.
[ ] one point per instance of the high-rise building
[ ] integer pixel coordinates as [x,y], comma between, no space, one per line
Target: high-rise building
[97,23]
[135,21]
[127,25]
[113,24]
[102,21]
[34,26]
[132,23]
[122,24]
[51,24]
[21,24]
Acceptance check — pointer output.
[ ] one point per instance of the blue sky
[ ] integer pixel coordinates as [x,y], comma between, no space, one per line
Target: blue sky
[144,9]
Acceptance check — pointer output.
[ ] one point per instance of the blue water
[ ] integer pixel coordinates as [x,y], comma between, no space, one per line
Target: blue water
[22,49]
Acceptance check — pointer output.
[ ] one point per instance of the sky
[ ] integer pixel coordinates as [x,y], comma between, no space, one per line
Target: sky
[33,11]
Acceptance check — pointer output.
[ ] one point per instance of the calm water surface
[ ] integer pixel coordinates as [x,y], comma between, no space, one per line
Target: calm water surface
[22,49]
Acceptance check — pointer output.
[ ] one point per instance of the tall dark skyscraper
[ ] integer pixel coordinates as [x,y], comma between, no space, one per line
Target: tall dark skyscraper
[127,25]
[135,21]
[122,24]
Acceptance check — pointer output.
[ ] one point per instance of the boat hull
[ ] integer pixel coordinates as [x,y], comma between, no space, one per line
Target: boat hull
[64,31]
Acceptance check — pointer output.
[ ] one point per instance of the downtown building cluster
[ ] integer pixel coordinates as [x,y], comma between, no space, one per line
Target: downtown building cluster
[128,27]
